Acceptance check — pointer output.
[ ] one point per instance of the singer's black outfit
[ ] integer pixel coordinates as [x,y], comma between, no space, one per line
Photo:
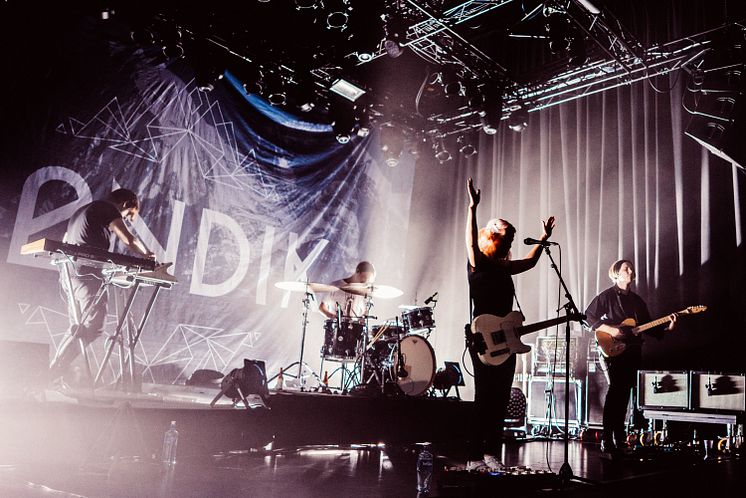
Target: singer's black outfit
[88,226]
[612,307]
[491,288]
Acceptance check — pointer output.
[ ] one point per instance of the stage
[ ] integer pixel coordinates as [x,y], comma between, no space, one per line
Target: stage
[108,443]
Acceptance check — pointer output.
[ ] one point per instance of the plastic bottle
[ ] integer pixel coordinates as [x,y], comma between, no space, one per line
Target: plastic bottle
[424,469]
[170,440]
[280,381]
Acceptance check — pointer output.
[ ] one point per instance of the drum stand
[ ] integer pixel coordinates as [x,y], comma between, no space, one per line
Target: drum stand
[301,364]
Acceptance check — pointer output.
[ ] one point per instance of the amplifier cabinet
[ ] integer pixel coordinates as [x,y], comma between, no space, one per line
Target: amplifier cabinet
[546,401]
[718,392]
[663,389]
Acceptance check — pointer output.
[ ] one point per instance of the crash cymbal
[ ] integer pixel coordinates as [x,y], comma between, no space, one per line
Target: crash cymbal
[303,286]
[408,307]
[372,290]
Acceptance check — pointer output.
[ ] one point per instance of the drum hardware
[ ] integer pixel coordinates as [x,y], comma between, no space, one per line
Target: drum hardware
[307,288]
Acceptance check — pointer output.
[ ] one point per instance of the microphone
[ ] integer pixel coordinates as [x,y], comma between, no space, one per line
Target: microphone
[431,298]
[543,243]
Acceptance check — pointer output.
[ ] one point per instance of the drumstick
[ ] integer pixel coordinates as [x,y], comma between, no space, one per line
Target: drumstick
[381,331]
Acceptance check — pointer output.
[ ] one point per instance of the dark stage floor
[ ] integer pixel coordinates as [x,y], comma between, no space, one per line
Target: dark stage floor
[108,444]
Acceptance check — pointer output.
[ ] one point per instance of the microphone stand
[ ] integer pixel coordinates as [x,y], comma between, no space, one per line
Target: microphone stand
[565,472]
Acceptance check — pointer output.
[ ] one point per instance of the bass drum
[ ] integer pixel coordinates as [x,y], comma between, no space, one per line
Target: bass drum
[418,362]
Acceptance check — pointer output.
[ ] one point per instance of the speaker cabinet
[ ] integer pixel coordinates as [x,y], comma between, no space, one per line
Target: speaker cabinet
[663,389]
[596,387]
[718,392]
[547,401]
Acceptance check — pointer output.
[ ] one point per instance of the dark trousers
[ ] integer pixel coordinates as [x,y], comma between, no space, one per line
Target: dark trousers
[622,372]
[492,385]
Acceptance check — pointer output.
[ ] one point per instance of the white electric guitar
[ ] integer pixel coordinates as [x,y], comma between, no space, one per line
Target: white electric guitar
[496,338]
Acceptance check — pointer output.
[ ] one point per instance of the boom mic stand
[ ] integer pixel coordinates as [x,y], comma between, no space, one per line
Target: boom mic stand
[572,313]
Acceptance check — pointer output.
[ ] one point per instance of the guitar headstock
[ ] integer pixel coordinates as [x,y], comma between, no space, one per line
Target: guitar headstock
[692,310]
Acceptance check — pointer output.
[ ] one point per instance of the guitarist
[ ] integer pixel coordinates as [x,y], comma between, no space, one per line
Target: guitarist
[491,288]
[605,313]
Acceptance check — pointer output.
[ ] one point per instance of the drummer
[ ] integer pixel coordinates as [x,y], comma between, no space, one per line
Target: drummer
[350,306]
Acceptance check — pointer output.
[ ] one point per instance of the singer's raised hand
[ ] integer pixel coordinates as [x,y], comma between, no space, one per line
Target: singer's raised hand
[548,227]
[474,194]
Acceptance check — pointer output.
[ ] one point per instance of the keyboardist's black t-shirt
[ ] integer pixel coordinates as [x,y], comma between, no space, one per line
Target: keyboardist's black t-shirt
[89,225]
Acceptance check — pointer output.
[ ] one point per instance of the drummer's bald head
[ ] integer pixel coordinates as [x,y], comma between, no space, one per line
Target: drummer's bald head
[365,266]
[365,272]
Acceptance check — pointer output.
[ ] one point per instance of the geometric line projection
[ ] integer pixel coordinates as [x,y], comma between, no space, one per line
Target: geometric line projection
[183,117]
[195,347]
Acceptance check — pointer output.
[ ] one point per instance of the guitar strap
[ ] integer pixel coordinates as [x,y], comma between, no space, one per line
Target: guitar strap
[624,311]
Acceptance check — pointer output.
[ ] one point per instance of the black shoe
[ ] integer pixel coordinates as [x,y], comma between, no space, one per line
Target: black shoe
[609,451]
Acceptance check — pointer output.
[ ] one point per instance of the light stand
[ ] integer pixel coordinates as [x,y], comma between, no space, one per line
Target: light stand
[571,312]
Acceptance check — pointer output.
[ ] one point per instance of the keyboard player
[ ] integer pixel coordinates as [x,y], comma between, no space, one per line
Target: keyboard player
[93,225]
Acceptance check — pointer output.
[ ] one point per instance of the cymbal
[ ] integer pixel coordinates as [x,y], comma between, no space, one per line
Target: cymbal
[382,291]
[303,286]
[408,307]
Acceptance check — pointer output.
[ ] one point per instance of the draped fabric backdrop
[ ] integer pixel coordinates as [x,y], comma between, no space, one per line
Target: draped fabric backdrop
[240,195]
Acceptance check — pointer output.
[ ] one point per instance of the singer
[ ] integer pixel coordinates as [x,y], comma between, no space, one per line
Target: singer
[490,270]
[609,308]
[93,225]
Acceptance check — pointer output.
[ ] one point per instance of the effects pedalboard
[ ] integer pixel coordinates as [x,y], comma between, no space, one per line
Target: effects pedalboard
[456,482]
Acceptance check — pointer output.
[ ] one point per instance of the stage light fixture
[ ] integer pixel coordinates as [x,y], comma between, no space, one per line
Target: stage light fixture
[338,15]
[577,51]
[492,110]
[343,122]
[442,155]
[518,120]
[346,89]
[395,31]
[465,146]
[392,144]
[557,26]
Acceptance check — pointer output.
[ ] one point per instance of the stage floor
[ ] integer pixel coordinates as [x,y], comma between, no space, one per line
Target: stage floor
[307,445]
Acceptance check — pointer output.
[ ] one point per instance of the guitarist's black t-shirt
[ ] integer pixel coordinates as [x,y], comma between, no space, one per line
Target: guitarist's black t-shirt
[612,307]
[491,287]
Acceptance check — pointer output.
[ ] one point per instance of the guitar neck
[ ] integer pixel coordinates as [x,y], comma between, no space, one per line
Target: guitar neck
[534,327]
[650,325]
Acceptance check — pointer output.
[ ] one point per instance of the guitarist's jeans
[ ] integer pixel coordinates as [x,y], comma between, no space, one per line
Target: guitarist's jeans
[492,385]
[622,377]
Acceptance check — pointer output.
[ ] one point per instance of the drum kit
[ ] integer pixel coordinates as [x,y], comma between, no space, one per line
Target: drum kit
[394,357]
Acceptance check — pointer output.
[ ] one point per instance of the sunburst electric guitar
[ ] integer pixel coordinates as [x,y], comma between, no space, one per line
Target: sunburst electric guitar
[612,346]
[496,338]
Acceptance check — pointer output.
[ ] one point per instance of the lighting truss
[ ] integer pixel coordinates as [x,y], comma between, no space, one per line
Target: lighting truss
[434,40]
[594,77]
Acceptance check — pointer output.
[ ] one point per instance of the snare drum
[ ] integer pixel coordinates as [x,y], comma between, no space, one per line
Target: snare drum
[341,343]
[418,319]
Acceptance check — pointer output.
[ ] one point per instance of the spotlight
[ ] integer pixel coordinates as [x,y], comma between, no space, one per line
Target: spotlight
[465,147]
[576,50]
[395,32]
[205,78]
[492,110]
[346,89]
[173,51]
[452,84]
[518,120]
[441,153]
[557,26]
[448,377]
[343,122]
[306,4]
[339,15]
[392,144]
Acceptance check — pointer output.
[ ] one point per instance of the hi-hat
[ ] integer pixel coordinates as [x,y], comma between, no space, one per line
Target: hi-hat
[305,287]
[381,291]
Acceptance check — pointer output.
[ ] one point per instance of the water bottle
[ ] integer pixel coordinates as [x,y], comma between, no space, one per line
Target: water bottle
[170,440]
[424,469]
